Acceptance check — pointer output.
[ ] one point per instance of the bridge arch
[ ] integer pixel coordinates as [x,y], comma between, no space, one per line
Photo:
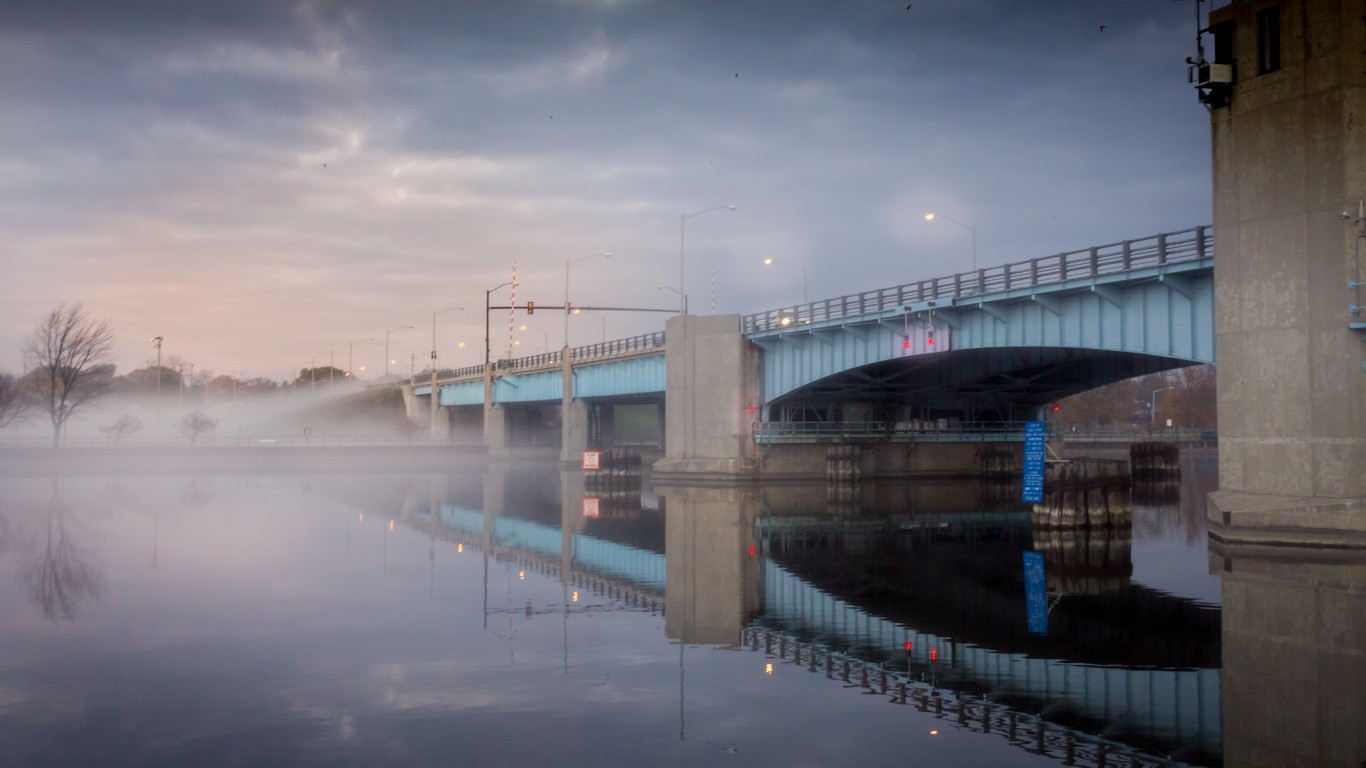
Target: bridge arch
[997,342]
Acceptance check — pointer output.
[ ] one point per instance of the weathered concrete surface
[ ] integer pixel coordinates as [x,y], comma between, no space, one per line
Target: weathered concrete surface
[712,378]
[1289,158]
[1259,518]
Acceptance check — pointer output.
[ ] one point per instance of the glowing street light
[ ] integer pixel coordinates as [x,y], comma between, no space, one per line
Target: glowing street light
[386,346]
[350,355]
[434,397]
[568,262]
[683,220]
[931,216]
[770,261]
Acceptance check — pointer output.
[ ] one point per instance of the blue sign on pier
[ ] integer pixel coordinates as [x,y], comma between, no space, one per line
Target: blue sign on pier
[1033,463]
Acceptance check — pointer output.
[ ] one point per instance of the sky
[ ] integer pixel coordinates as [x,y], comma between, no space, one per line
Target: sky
[271,185]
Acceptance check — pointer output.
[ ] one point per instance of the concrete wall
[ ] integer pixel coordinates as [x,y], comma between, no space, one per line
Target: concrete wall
[1289,157]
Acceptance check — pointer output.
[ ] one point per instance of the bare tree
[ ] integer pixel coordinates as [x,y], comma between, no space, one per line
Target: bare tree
[125,426]
[69,357]
[13,404]
[195,424]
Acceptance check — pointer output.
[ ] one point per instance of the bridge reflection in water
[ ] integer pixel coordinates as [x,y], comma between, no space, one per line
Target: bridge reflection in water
[926,608]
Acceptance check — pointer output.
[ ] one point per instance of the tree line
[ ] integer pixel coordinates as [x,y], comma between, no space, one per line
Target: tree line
[68,363]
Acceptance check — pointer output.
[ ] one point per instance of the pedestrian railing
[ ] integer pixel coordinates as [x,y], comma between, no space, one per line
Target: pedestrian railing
[1115,258]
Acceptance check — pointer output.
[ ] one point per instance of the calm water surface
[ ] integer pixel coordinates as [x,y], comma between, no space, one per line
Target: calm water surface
[506,618]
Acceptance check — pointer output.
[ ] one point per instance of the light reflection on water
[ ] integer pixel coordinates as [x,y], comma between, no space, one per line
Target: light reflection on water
[334,620]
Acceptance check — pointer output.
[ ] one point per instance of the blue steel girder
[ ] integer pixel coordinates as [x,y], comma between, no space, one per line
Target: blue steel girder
[632,376]
[1065,338]
[641,375]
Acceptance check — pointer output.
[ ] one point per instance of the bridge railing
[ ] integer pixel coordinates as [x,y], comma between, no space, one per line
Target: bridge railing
[894,431]
[1114,258]
[642,343]
[633,344]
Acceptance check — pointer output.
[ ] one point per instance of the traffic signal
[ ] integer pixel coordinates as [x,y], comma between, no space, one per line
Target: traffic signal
[531,307]
[1056,407]
[930,339]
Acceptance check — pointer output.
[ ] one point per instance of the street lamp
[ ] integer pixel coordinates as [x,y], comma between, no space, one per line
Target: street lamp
[434,403]
[487,294]
[771,261]
[1152,404]
[567,262]
[386,346]
[675,290]
[350,356]
[682,304]
[156,420]
[931,216]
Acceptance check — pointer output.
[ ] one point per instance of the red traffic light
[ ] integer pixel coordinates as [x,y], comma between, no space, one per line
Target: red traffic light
[930,339]
[1056,407]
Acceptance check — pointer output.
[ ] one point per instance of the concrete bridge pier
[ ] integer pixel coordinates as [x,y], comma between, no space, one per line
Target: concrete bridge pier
[712,382]
[1288,142]
[573,415]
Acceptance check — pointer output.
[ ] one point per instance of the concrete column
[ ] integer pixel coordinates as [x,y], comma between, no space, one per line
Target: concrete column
[574,435]
[1288,162]
[712,379]
[573,416]
[414,407]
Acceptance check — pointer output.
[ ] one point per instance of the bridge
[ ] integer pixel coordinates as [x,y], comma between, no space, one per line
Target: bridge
[964,358]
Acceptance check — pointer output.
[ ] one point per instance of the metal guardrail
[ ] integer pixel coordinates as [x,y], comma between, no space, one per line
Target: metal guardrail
[1115,258]
[1156,434]
[646,342]
[889,431]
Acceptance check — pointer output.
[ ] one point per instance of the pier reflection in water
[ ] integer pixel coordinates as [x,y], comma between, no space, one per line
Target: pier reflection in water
[528,616]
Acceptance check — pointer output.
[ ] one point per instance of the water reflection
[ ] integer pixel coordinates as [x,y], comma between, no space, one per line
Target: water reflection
[398,619]
[61,573]
[1294,658]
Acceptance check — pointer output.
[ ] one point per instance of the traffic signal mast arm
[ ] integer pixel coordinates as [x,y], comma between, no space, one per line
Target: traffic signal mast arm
[532,306]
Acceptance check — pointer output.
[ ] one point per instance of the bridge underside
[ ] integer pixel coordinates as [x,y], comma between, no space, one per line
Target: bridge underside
[994,384]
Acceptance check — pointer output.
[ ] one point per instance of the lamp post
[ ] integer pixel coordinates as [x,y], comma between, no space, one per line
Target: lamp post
[350,356]
[1152,404]
[675,290]
[771,261]
[682,221]
[156,419]
[568,262]
[434,397]
[487,294]
[931,216]
[386,346]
